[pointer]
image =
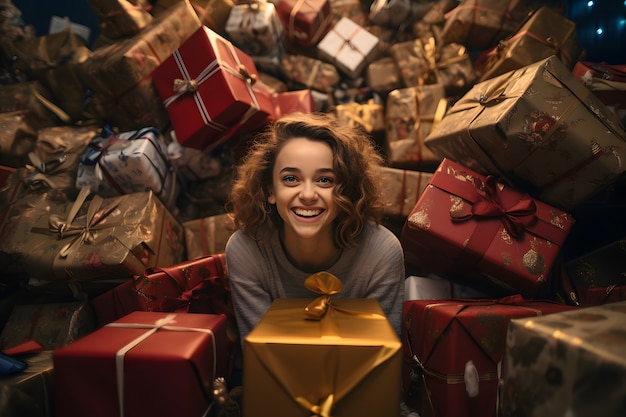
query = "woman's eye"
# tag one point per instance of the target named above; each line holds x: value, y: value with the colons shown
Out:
x: 290, y: 179
x: 327, y: 181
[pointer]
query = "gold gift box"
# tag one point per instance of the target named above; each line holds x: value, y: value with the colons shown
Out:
x: 539, y: 128
x: 208, y: 235
x: 348, y: 363
x: 88, y: 246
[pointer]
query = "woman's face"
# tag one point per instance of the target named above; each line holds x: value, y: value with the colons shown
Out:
x: 302, y: 186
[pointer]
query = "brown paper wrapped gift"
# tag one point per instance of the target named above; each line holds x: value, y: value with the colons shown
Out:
x: 540, y: 128
x: 410, y: 115
x: 416, y: 59
x: 52, y: 325
x: 481, y: 24
x: 212, y: 13
x: 572, y: 360
x: 402, y: 190
x: 383, y: 75
x: 88, y: 246
x: 122, y: 18
x: 310, y: 72
x: 347, y: 363
x: 208, y: 235
x: 29, y: 393
x: 118, y: 68
x: 54, y: 61
x: 543, y: 34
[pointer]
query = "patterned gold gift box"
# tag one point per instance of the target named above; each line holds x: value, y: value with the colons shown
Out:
x: 208, y: 235
x: 566, y: 362
x: 89, y: 245
x: 122, y: 18
x: 539, y: 128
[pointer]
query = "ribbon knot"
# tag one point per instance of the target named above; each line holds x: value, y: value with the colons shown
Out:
x: 515, y: 218
x: 323, y: 283
x: 243, y: 71
x: 185, y: 86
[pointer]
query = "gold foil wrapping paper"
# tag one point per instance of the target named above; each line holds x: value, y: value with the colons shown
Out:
x: 543, y: 34
x: 17, y: 139
x: 85, y: 246
x: 31, y: 392
x: 208, y: 235
x: 402, y: 189
x: 410, y: 114
x: 346, y: 364
x: 481, y: 24
x: 538, y: 127
x: 122, y: 18
x: 368, y: 116
x: 310, y: 72
x: 572, y: 360
x: 117, y: 69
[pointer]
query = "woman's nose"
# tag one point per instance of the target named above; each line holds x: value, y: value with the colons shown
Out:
x: 308, y: 192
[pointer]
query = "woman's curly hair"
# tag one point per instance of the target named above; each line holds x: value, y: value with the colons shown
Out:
x: 356, y: 163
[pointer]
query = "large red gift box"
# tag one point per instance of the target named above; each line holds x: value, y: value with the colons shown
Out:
x: 471, y: 228
x: 144, y: 364
x: 207, y: 88
x: 453, y: 349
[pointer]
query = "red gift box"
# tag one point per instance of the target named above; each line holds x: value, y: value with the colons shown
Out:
x: 295, y: 101
x: 472, y: 229
x: 144, y: 364
x: 305, y: 21
x: 194, y: 286
x: 453, y: 349
x: 207, y: 88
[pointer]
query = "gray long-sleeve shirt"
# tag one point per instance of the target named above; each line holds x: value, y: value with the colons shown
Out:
x: 260, y: 272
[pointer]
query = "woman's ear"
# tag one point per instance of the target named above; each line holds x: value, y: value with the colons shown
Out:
x: 271, y: 199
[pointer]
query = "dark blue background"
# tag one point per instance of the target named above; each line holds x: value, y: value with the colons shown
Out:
x: 610, y: 15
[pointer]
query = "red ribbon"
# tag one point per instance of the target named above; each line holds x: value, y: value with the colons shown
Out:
x: 514, y: 218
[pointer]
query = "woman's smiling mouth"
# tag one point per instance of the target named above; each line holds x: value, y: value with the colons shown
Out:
x: 307, y: 213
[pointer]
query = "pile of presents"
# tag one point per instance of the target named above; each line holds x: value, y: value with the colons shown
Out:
x: 504, y: 179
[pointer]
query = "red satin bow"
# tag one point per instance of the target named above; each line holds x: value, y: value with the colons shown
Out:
x: 514, y: 218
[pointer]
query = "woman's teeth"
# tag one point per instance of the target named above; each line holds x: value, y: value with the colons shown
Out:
x: 307, y: 213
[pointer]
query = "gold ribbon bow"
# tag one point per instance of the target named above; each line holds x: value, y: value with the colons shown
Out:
x: 321, y: 410
x: 323, y: 283
x: 83, y: 233
x: 185, y: 86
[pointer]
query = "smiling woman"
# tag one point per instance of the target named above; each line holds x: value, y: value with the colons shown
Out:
x: 307, y: 199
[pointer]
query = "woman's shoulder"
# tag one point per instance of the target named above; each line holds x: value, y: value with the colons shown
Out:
x: 378, y: 235
x: 241, y: 241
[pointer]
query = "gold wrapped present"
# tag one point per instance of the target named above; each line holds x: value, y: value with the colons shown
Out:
x: 543, y: 34
x: 32, y: 99
x: 383, y: 75
x: 122, y: 18
x: 455, y: 69
x: 208, y: 235
x: 54, y: 61
x: 212, y: 13
x: 87, y: 246
x: 540, y: 128
x: 481, y: 24
x: 565, y: 361
x: 52, y: 325
x: 17, y: 139
x: 416, y: 60
x: 402, y: 190
x: 410, y: 115
x: 369, y: 116
x: 117, y: 69
x: 322, y: 357
x: 30, y: 392
x: 310, y: 72
x: 53, y: 163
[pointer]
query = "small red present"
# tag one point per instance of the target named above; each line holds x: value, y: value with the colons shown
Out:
x: 144, y: 364
x: 305, y: 21
x: 453, y: 349
x: 473, y: 229
x: 295, y: 101
x: 207, y: 88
